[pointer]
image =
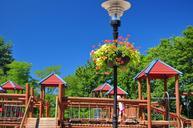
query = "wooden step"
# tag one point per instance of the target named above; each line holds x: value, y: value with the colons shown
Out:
x: 48, y: 123
x: 31, y: 123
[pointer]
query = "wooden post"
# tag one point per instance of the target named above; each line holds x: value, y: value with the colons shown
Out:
x: 44, y: 93
x: 140, y: 98
x: 165, y: 106
x: 60, y: 95
x: 41, y: 93
x: 148, y: 102
x: 42, y: 97
x: 27, y: 93
x: 139, y: 89
x: 40, y: 109
x: 143, y: 114
x: 63, y: 95
x: 47, y: 109
x: 177, y: 98
x: 31, y: 105
x: 56, y: 111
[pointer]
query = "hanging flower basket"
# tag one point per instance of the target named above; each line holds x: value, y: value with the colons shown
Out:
x: 120, y: 60
x: 109, y: 55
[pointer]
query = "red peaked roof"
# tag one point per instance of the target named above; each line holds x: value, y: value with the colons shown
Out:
x: 158, y: 70
x: 105, y: 87
x: 52, y: 80
x: 119, y: 91
x: 9, y: 85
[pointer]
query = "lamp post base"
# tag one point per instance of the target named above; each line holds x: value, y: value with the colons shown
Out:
x: 115, y: 122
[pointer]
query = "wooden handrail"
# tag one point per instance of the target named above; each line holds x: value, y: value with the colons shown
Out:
x: 14, y: 96
x: 25, y: 114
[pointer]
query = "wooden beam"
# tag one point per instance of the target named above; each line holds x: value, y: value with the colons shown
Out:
x: 149, y: 102
x: 56, y: 109
x: 31, y: 104
x: 139, y: 89
x: 166, y: 105
x: 47, y: 109
x: 41, y: 109
x: 140, y: 98
x: 27, y: 93
x: 11, y: 102
x: 186, y: 94
x: 101, y: 100
x: 159, y: 123
x: 12, y: 96
x: 60, y: 96
x: 177, y: 98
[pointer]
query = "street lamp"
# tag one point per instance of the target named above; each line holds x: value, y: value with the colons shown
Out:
x: 115, y: 9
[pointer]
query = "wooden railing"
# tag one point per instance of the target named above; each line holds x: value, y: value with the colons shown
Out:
x: 99, y: 110
x: 26, y: 112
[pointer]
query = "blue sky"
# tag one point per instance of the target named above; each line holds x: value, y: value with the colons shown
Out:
x: 62, y: 32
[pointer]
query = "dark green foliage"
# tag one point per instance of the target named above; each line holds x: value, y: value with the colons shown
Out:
x: 19, y: 72
x: 89, y: 78
x: 5, y: 55
x: 73, y: 86
x: 48, y: 70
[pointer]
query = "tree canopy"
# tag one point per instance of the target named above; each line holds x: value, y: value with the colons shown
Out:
x: 5, y: 55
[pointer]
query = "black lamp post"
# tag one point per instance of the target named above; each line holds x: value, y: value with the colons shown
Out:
x: 115, y: 9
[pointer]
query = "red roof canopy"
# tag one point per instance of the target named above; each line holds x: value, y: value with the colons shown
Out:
x: 158, y: 70
x: 105, y: 87
x: 52, y: 80
x: 9, y: 85
x: 119, y: 91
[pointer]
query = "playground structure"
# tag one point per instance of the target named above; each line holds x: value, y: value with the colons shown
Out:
x: 17, y: 110
x: 106, y: 90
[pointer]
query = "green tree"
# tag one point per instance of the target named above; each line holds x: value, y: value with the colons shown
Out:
x: 88, y: 78
x: 73, y: 85
x: 177, y: 52
x: 5, y: 55
x: 48, y: 70
x: 19, y: 72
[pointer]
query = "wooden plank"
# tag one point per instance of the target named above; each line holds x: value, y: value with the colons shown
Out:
x: 192, y: 123
x: 11, y: 96
x: 11, y: 102
x: 102, y: 100
x: 159, y: 123
x: 149, y: 102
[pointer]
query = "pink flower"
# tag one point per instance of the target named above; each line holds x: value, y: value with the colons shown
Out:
x: 92, y: 52
x: 128, y: 35
x: 121, y: 43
